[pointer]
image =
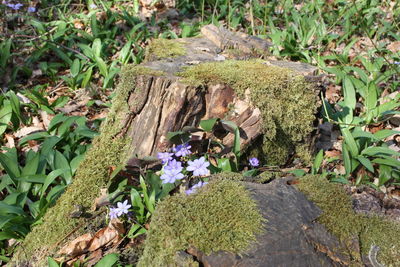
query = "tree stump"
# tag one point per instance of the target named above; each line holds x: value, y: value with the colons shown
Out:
x: 217, y: 75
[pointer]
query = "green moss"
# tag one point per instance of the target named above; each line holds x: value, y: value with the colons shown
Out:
x: 164, y: 48
x: 107, y: 151
x: 286, y: 101
x: 209, y: 220
x: 340, y: 219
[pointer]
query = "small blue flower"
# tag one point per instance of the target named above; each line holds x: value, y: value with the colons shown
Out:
x: 198, y: 166
x: 93, y: 6
x: 182, y: 150
x: 171, y: 175
x: 195, y: 187
x: 113, y: 213
x: 174, y: 165
x: 254, y: 162
x: 122, y: 208
x: 16, y: 6
x: 165, y: 156
x: 31, y: 9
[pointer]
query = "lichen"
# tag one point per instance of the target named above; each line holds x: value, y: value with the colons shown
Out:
x: 164, y: 48
x: 340, y: 219
x: 107, y: 151
x: 208, y: 220
x: 285, y: 99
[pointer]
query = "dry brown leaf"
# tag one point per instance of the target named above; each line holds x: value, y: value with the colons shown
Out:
x: 333, y: 93
x: 333, y: 153
x: 78, y: 24
x: 78, y: 246
x: 24, y: 131
x: 46, y: 118
x: 94, y: 257
x: 10, y: 141
x: 394, y: 47
x: 110, y: 234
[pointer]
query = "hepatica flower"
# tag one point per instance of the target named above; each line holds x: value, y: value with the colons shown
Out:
x: 165, y: 156
x: 113, y: 213
x: 254, y: 162
x: 31, y: 9
x: 172, y: 172
x: 198, y: 166
x: 122, y: 208
x: 16, y: 6
x: 195, y: 187
x: 182, y: 150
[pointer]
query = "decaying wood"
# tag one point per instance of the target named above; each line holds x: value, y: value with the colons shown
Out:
x: 166, y: 104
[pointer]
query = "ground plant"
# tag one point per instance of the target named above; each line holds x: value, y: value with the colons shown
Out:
x: 61, y: 59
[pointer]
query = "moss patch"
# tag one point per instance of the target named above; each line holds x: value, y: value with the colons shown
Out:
x: 93, y: 173
x: 340, y: 219
x: 209, y: 220
x: 285, y: 98
x: 164, y: 48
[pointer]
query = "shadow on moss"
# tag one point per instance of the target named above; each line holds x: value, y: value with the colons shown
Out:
x: 340, y: 219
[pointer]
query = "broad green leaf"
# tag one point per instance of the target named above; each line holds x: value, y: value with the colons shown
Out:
x: 346, y: 159
x: 60, y: 162
x: 349, y: 93
x: 349, y: 139
x: 208, y: 125
x: 31, y: 166
x: 387, y: 161
x: 48, y: 145
x: 376, y: 151
x: 87, y: 76
x: 298, y: 172
x: 136, y: 230
x: 108, y: 261
x: 371, y: 98
x: 96, y: 47
x: 10, y: 165
x: 51, y: 262
x: 382, y: 134
x: 34, y: 136
x: 102, y: 66
x: 137, y: 202
x: 75, y: 68
x: 317, y: 162
x: 75, y: 162
x: 50, y: 178
x: 10, y: 209
x: 366, y: 162
x: 57, y: 119
x: 5, y: 116
x: 224, y: 164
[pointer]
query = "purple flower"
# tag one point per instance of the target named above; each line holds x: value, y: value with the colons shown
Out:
x: 195, y: 187
x: 122, y: 208
x: 171, y: 175
x: 15, y: 6
x: 93, y: 6
x: 165, y: 156
x: 198, y: 166
x: 182, y: 150
x: 31, y: 9
x: 254, y: 162
x: 174, y: 165
x: 113, y: 213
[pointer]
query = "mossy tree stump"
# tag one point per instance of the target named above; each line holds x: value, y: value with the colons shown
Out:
x: 218, y: 75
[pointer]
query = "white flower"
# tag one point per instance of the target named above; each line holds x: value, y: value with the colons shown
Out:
x: 122, y: 208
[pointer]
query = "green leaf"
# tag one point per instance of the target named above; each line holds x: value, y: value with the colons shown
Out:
x: 387, y: 161
x: 224, y: 164
x: 31, y: 166
x: 10, y: 165
x: 75, y: 162
x: 88, y: 75
x: 10, y: 209
x: 102, y: 66
x: 75, y: 68
x: 50, y: 178
x: 34, y: 136
x: 57, y: 119
x: 96, y: 47
x: 60, y: 162
x: 371, y: 98
x: 136, y: 230
x: 108, y: 261
x: 317, y: 162
x: 346, y: 159
x: 382, y: 134
x: 349, y: 93
x: 5, y: 116
x: 349, y: 140
x: 298, y: 172
x: 376, y: 151
x: 137, y: 202
x: 366, y: 162
x: 51, y: 262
